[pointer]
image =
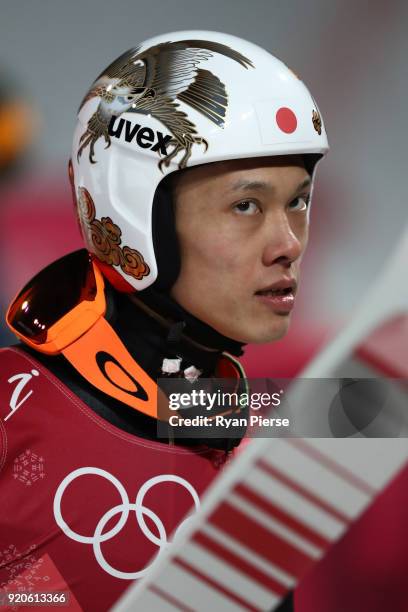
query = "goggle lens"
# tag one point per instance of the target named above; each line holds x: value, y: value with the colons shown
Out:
x: 52, y: 294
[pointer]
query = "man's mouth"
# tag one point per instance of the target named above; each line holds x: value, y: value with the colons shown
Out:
x: 279, y: 296
x: 286, y: 291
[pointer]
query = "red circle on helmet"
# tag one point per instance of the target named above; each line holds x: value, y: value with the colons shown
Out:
x: 286, y: 120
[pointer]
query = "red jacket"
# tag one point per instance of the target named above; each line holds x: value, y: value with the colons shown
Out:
x: 85, y: 507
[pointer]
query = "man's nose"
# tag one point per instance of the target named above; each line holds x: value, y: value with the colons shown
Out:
x: 282, y: 245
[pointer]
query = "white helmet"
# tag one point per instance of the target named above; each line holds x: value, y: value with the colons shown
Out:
x: 177, y: 100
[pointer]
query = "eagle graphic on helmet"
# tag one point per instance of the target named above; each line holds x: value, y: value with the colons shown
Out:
x: 151, y: 82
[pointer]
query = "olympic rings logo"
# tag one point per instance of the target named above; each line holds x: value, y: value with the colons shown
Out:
x: 140, y: 510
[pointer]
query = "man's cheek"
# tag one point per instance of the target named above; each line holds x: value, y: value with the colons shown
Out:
x: 225, y: 254
x: 214, y: 254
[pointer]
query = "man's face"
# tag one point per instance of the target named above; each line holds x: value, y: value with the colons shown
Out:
x: 242, y: 228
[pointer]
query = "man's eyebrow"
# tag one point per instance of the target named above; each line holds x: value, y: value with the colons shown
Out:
x: 306, y: 183
x: 244, y: 185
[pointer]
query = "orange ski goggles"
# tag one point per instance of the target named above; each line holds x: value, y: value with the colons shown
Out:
x: 62, y: 310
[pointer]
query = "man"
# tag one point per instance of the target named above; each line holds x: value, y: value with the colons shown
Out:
x: 192, y: 170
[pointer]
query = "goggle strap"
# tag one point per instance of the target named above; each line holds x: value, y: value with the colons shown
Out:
x: 101, y: 358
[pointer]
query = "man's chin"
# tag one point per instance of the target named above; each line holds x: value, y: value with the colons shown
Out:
x: 255, y: 331
x: 269, y: 333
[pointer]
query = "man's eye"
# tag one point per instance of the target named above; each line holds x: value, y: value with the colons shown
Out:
x: 301, y: 203
x: 247, y: 208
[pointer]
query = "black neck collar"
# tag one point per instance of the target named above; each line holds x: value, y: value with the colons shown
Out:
x: 180, y: 322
